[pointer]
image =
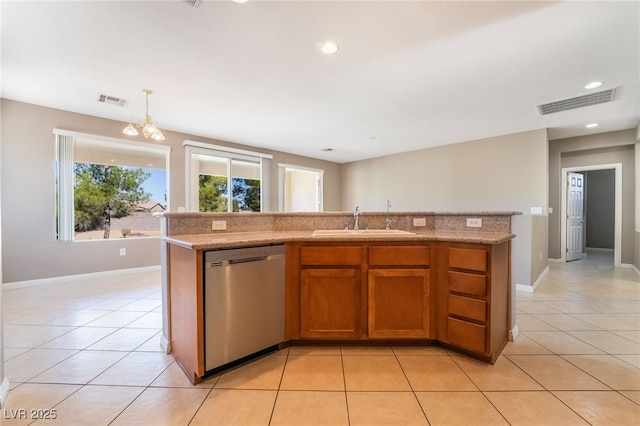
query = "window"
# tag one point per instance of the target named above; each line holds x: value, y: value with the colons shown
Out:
x: 300, y: 189
x: 224, y: 180
x: 107, y: 188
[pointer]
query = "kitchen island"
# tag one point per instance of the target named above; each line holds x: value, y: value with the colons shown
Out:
x: 435, y: 284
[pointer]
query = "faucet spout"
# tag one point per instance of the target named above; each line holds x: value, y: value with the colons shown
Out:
x: 388, y: 221
x: 356, y: 215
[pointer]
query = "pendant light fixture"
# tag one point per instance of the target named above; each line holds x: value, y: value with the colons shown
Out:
x: 149, y: 128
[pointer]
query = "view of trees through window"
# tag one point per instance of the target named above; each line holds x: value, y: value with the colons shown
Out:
x: 214, y: 194
x: 103, y: 193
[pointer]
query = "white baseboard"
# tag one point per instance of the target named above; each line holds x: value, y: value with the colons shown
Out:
x: 532, y: 288
x: 514, y: 333
x: 552, y: 260
x: 524, y: 288
x: 165, y: 344
x: 4, y: 392
x: 636, y: 270
x: 67, y: 278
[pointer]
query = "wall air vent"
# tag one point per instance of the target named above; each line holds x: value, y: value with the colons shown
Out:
x: 577, y: 102
x: 112, y: 100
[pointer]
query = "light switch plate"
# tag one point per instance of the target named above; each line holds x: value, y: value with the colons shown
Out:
x: 474, y: 222
x: 536, y: 210
x: 219, y: 225
x: 419, y: 221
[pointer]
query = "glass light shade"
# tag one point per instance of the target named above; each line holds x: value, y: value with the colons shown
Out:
x: 149, y: 127
x: 157, y: 135
x: 130, y: 130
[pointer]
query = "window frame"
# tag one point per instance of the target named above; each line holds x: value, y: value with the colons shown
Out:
x: 282, y: 170
x: 199, y: 148
x: 64, y: 177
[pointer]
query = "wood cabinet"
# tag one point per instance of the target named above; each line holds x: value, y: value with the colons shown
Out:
x: 358, y: 291
x: 331, y: 303
x: 331, y: 292
x: 186, y: 310
x: 473, y: 297
x: 399, y: 292
x: 399, y: 303
x: 454, y: 293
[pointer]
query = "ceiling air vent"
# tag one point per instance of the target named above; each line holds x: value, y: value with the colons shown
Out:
x: 194, y: 3
x: 112, y: 100
x: 577, y: 102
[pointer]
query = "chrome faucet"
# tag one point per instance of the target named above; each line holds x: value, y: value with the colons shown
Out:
x: 356, y: 215
x: 388, y: 221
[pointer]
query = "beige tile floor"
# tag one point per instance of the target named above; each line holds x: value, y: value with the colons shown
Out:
x: 90, y: 351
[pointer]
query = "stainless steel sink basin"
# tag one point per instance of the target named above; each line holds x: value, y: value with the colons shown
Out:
x: 360, y: 232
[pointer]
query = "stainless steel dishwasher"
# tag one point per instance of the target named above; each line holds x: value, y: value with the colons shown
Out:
x: 243, y: 304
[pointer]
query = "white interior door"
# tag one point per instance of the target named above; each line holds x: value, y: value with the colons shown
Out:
x: 575, y: 215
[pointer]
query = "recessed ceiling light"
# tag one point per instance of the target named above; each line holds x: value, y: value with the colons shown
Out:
x: 593, y: 85
x: 591, y: 125
x: 240, y: 1
x: 329, y: 48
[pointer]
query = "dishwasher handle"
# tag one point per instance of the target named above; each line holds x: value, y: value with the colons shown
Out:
x: 244, y: 260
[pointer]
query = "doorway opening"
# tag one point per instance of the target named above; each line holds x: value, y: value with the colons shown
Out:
x: 574, y: 234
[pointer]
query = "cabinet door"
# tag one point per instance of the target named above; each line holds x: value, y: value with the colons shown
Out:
x: 331, y: 303
x: 399, y: 303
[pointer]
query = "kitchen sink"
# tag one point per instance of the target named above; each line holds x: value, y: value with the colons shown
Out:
x: 360, y: 232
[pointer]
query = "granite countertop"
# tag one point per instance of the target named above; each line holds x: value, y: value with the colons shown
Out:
x: 222, y: 240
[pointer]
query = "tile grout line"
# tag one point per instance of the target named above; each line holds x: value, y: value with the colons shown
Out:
x: 344, y: 383
x: 275, y: 400
x: 413, y: 391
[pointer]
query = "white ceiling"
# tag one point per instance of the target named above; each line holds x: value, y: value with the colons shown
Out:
x: 408, y: 75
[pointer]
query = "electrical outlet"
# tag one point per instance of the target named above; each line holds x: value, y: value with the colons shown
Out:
x: 218, y: 225
x: 474, y: 222
x: 123, y: 252
x: 419, y: 221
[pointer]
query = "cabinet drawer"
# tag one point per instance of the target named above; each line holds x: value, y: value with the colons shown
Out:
x: 466, y: 335
x: 331, y: 255
x: 466, y: 307
x: 467, y: 258
x: 472, y: 284
x: 399, y: 255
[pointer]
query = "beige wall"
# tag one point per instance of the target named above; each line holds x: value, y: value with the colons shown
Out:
x: 603, y: 148
x: 28, y: 195
x: 636, y: 260
x: 502, y: 173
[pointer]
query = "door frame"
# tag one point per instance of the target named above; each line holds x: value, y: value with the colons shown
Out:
x: 617, y: 243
